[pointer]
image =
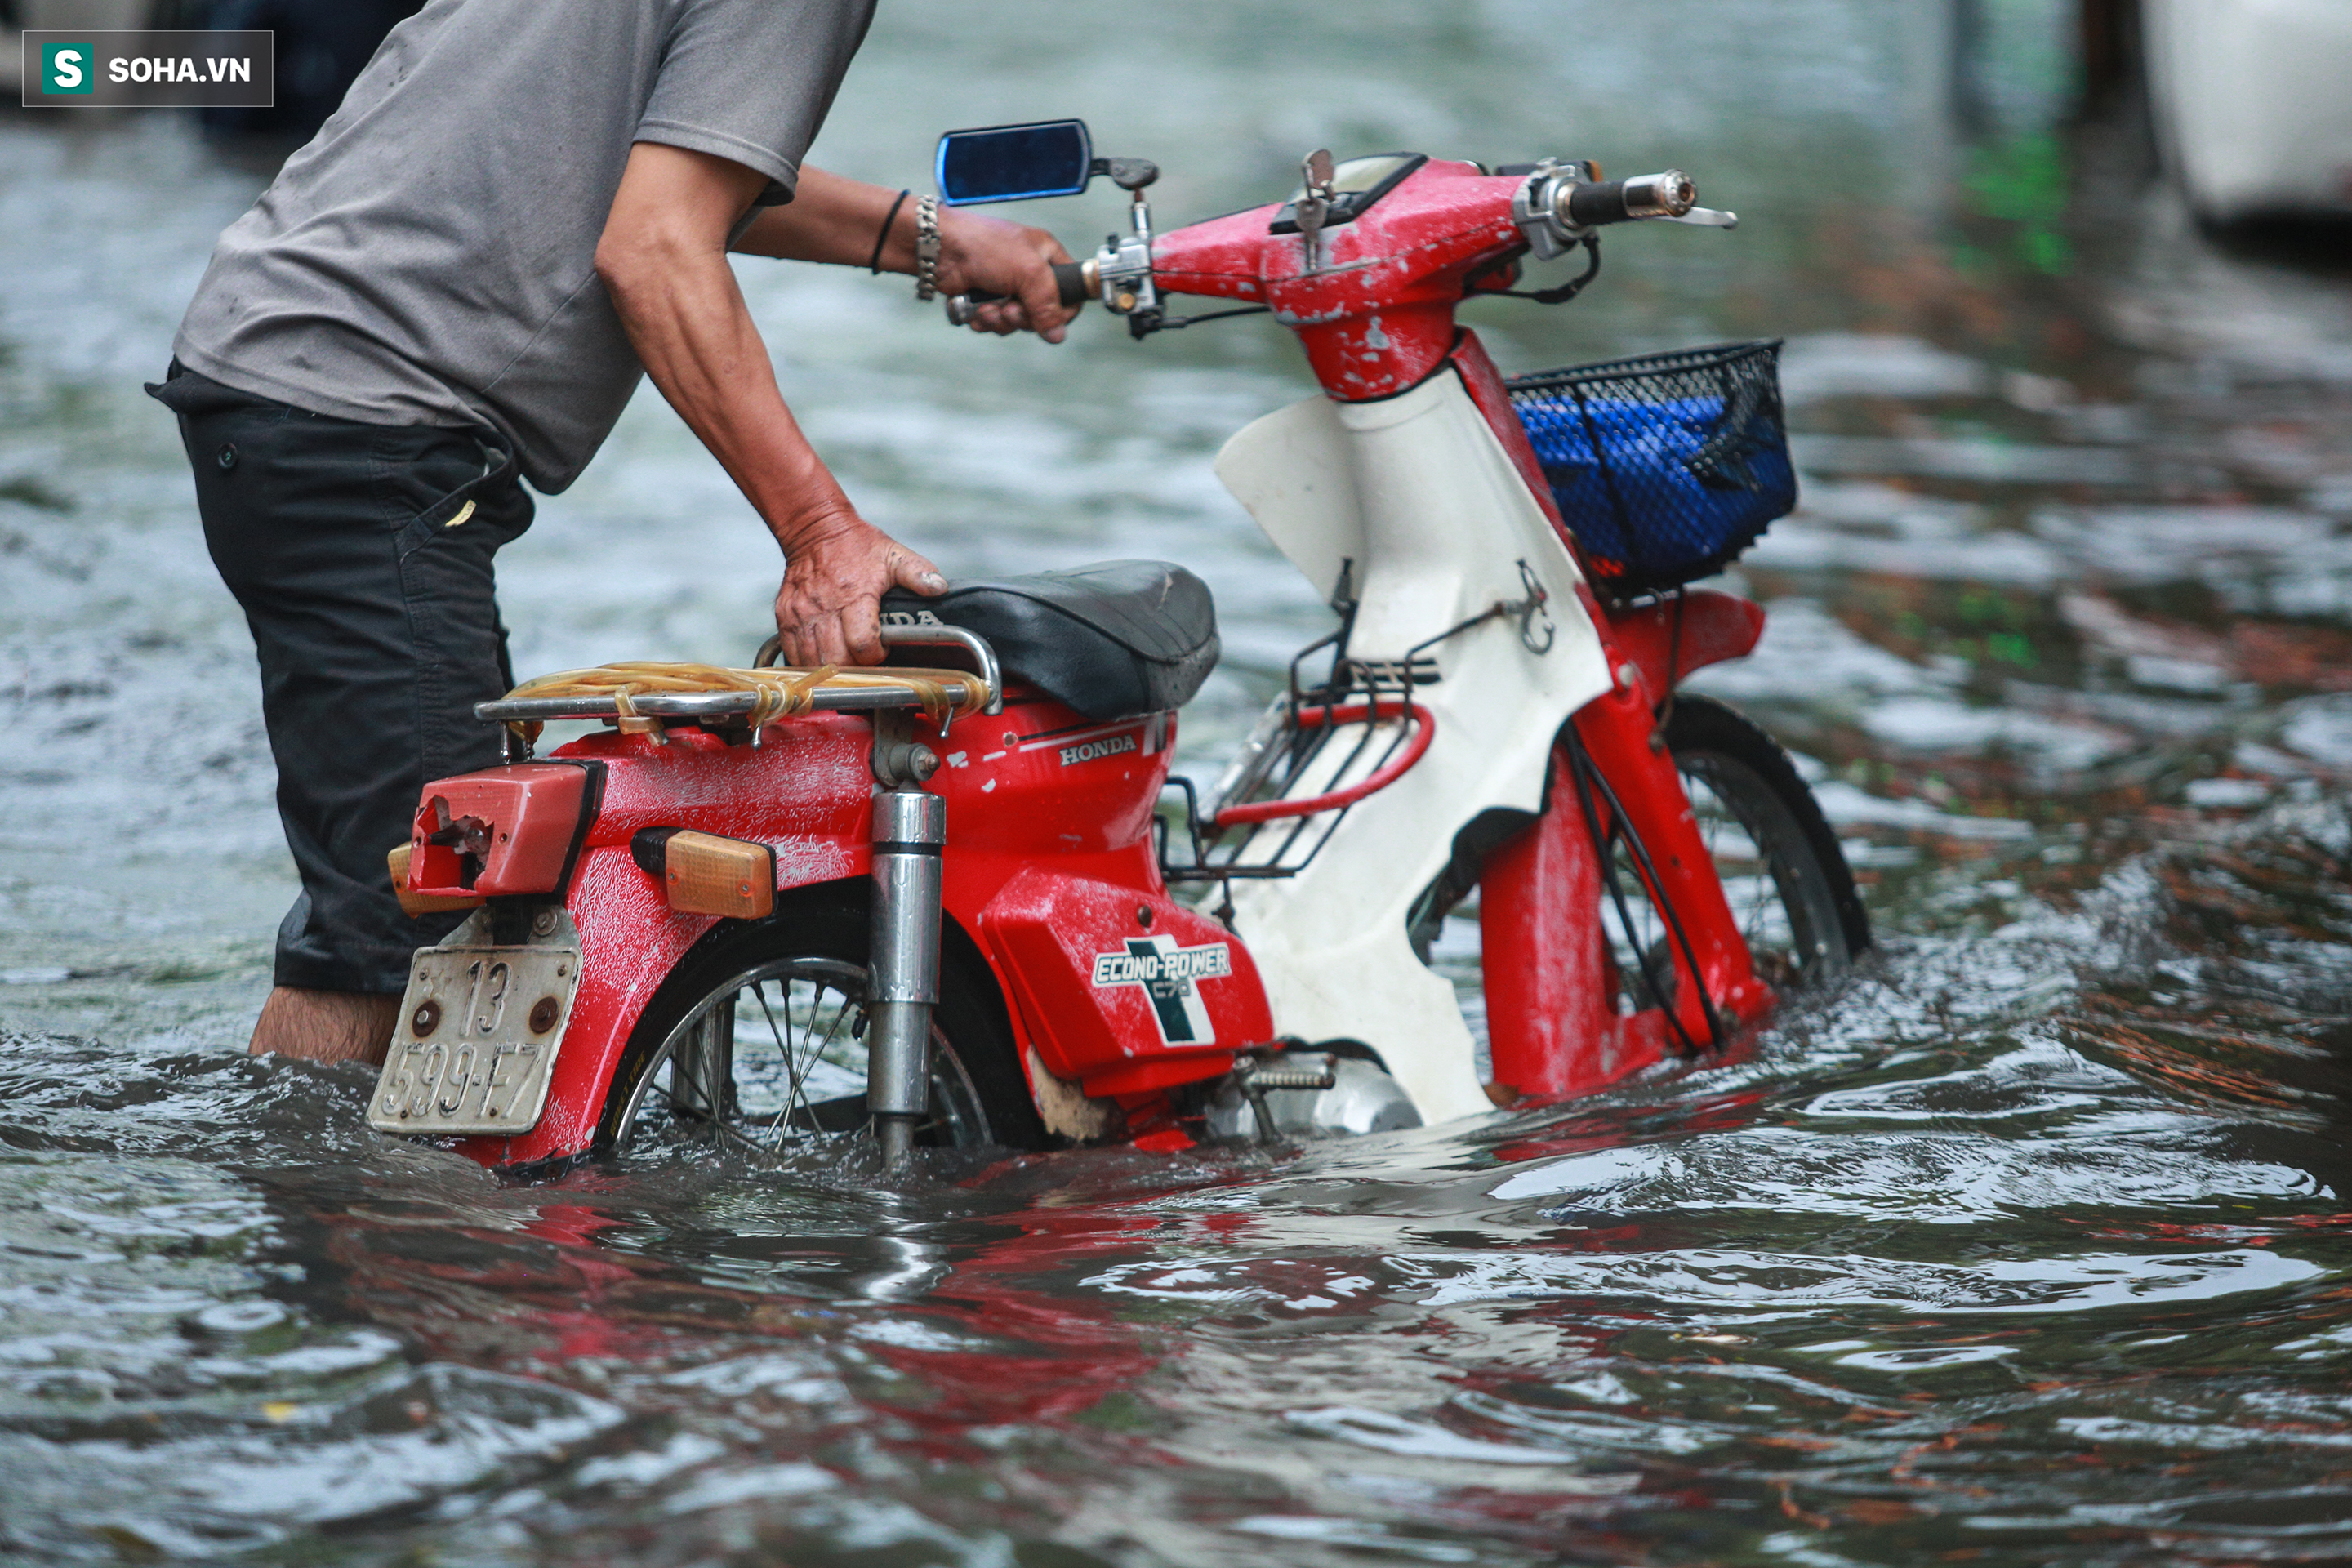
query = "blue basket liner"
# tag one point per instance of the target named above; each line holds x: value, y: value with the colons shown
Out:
x: 1660, y: 490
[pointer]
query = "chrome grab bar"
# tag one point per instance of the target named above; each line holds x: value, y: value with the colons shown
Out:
x: 971, y: 643
x: 955, y: 636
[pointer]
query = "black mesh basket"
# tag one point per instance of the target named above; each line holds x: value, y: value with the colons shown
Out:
x: 1665, y: 466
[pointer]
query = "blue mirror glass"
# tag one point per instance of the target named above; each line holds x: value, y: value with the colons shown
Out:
x: 1010, y: 162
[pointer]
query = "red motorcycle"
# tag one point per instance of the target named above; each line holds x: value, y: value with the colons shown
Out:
x: 742, y: 914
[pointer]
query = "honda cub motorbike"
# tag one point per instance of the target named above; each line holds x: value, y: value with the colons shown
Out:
x: 957, y: 899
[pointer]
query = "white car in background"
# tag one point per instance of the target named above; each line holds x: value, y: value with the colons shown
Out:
x: 2252, y: 103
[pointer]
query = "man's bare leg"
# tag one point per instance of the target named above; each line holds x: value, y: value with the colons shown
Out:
x: 326, y: 1025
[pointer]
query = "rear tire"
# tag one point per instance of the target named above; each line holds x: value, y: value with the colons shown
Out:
x: 756, y: 1042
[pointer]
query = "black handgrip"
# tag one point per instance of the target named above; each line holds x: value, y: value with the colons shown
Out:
x: 1070, y: 282
x: 1604, y: 201
x: 1667, y: 194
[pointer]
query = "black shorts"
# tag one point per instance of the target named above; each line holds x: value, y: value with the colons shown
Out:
x: 360, y: 554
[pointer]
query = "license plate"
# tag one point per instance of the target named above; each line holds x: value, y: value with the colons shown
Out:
x: 478, y: 1030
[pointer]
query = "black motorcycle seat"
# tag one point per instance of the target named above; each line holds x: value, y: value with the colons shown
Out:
x: 1110, y: 639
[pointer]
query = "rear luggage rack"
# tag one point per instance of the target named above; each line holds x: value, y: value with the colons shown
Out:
x: 1354, y: 735
x: 692, y: 707
x: 714, y: 696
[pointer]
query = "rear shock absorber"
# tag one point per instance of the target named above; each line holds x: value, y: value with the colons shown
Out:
x: 909, y: 835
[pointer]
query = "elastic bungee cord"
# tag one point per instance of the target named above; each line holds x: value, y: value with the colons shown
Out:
x: 782, y: 693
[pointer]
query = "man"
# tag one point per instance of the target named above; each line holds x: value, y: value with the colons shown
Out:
x: 519, y: 207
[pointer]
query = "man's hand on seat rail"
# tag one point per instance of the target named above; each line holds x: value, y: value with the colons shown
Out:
x: 834, y: 575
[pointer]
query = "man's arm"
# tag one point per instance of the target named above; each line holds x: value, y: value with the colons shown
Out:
x: 663, y: 260
x: 835, y: 219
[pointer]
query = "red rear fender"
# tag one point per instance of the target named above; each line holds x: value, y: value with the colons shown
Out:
x: 630, y: 940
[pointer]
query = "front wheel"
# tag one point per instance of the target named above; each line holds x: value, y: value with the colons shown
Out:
x: 1783, y: 874
x: 758, y: 1043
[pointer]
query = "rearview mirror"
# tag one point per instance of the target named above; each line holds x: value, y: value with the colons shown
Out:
x: 1013, y: 163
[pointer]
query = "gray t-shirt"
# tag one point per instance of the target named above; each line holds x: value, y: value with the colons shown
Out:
x: 429, y: 259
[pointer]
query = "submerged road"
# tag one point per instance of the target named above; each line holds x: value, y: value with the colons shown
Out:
x: 2030, y: 1246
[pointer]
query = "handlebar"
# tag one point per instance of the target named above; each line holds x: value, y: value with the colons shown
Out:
x: 1557, y: 207
x: 1073, y: 282
x: 1669, y: 194
x: 1562, y: 203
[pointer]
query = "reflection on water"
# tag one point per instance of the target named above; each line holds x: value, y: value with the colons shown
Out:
x: 2029, y: 1246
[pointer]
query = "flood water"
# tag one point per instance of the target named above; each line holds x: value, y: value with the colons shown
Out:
x: 2030, y: 1246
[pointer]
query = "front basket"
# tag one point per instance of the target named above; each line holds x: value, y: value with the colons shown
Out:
x: 1665, y: 466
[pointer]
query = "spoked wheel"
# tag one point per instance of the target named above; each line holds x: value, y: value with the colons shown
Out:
x: 1787, y: 881
x: 757, y: 1044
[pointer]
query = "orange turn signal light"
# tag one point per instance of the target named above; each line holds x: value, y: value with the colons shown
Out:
x: 704, y: 874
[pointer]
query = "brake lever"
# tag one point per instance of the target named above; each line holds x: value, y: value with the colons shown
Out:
x: 1703, y: 218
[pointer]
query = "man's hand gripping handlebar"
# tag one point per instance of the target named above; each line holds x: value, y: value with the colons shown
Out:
x: 1073, y: 284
